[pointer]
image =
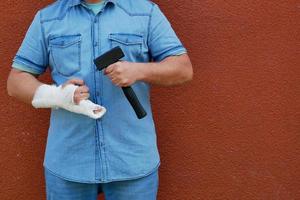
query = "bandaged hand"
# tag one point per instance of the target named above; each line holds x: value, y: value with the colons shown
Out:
x: 51, y: 96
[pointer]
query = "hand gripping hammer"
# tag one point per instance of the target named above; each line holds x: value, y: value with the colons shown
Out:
x: 113, y: 56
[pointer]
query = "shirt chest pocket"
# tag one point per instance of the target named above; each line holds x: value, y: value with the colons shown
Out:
x: 65, y: 54
x: 131, y: 44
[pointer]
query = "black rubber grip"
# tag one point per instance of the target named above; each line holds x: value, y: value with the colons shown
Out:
x: 134, y: 101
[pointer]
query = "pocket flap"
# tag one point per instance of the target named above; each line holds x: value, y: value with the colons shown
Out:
x: 126, y: 38
x: 65, y: 40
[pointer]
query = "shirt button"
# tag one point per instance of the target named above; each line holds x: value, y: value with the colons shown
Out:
x: 97, y: 94
x: 95, y: 44
x: 95, y: 21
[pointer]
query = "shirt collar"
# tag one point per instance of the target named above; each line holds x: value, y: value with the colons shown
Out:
x: 77, y: 2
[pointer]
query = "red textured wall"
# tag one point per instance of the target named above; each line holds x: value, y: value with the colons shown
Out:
x: 232, y: 133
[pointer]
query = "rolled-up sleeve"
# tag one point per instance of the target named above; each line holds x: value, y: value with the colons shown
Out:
x: 32, y: 54
x: 162, y: 40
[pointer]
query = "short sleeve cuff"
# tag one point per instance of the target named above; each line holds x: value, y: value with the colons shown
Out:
x: 25, y: 65
x: 173, y: 52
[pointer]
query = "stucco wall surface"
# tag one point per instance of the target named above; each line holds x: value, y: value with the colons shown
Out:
x: 232, y: 133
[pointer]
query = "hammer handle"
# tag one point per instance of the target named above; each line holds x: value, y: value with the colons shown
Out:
x: 134, y: 101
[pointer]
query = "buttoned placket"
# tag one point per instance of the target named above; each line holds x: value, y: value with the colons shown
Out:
x: 100, y: 156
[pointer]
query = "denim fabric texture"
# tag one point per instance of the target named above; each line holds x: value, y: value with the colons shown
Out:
x: 66, y: 36
x: 144, y: 188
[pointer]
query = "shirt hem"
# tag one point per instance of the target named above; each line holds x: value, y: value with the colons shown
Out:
x: 107, y: 181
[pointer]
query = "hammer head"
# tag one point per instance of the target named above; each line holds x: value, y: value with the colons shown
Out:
x: 108, y: 58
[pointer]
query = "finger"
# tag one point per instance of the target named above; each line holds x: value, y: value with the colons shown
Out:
x: 109, y: 69
x: 97, y: 109
x: 98, y: 112
x: 110, y: 76
x: 73, y: 81
x: 80, y: 96
x: 84, y: 96
x: 76, y: 99
x: 113, y: 78
x: 82, y: 89
x: 76, y: 81
x: 115, y: 81
x: 92, y: 110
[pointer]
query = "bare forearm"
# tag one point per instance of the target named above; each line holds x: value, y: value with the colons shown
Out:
x: 173, y: 70
x: 22, y: 85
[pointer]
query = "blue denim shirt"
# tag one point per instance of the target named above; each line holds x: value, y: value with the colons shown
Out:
x: 67, y: 36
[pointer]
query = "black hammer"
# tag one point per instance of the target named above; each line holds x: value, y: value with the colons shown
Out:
x: 113, y: 56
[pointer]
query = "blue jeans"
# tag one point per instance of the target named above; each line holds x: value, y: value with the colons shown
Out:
x: 139, y: 189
